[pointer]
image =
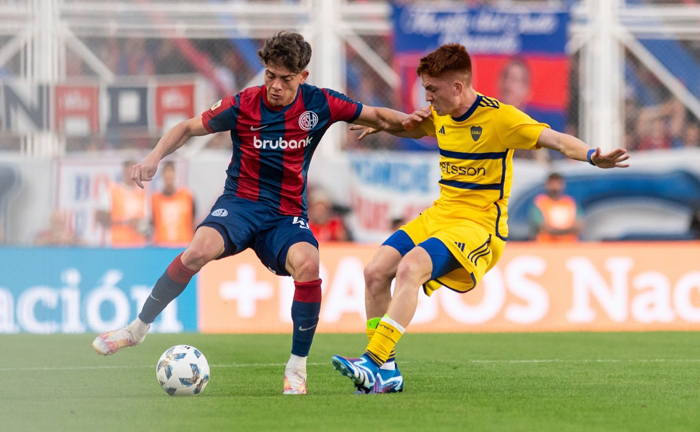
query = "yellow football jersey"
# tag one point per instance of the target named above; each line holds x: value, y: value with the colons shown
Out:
x: 476, y: 160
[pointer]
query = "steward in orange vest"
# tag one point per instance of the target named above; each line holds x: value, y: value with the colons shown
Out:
x: 555, y: 216
x: 125, y: 212
x: 173, y: 212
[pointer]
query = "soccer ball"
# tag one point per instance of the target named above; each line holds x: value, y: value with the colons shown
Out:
x: 182, y: 371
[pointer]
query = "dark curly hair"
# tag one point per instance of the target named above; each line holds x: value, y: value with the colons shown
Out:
x: 448, y: 58
x: 286, y: 49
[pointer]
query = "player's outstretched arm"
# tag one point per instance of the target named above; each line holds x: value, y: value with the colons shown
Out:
x: 574, y: 148
x: 380, y: 118
x: 377, y: 119
x: 173, y: 139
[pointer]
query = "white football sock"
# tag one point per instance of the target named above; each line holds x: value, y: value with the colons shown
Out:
x: 138, y: 328
x: 296, y: 363
x: 388, y: 366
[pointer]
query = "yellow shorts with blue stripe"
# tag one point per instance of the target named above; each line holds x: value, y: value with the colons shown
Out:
x: 471, y: 244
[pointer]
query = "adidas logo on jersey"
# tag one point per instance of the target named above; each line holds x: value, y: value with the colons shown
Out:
x: 488, y: 102
x: 280, y: 143
x: 442, y: 130
x: 460, y: 245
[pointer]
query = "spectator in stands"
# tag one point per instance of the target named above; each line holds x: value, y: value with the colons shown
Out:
x: 691, y: 135
x: 554, y: 216
x: 58, y: 232
x: 169, y: 59
x: 694, y: 228
x: 325, y: 225
x: 659, y: 125
x: 226, y: 72
x: 365, y: 85
x: 396, y: 223
x: 110, y: 54
x: 173, y: 211
x: 136, y: 59
x: 632, y: 109
x: 233, y: 70
x: 124, y: 211
x: 74, y: 64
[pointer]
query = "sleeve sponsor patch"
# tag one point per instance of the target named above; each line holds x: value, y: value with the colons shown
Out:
x: 216, y: 105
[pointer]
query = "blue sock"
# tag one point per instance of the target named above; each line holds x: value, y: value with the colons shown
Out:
x: 170, y: 285
x: 305, y: 311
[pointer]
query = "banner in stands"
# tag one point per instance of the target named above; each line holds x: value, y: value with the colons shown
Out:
x: 75, y: 290
x: 582, y: 287
x: 385, y: 189
x: 518, y: 55
x: 88, y: 108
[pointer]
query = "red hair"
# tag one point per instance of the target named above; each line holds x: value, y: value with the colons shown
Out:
x: 448, y: 58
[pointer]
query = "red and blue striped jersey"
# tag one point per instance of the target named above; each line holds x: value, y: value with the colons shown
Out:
x: 273, y: 146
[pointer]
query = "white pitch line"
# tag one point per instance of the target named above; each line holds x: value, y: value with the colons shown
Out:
x: 67, y: 368
x: 258, y: 365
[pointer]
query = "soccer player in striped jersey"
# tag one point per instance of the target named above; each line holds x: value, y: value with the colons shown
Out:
x: 461, y: 237
x: 275, y: 129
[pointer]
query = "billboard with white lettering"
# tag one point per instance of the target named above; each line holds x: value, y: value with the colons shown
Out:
x: 72, y: 290
x: 535, y: 287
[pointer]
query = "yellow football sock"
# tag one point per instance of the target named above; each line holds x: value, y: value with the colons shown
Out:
x: 372, y: 327
x: 382, y: 344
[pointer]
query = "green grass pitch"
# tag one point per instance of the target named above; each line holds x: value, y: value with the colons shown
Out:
x: 454, y: 382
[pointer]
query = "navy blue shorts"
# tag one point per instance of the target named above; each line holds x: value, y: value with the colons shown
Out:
x: 247, y: 224
x: 443, y: 260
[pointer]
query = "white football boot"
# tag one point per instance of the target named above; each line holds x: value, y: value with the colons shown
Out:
x: 294, y: 382
x: 110, y: 342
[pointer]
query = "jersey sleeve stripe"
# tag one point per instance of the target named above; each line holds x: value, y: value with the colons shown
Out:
x: 473, y: 156
x: 223, y: 116
x: 354, y: 117
x: 205, y: 123
x: 341, y: 107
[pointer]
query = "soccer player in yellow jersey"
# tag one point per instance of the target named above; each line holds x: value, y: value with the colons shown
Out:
x: 462, y: 236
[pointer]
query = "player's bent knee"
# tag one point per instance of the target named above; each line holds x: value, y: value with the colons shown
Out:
x: 306, y: 267
x: 196, y: 256
x: 412, y: 271
x: 376, y: 276
x: 403, y: 272
x: 206, y: 245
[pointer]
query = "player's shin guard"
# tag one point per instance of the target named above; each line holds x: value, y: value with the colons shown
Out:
x: 170, y: 285
x: 305, y: 310
x: 384, y: 341
x: 372, y: 324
